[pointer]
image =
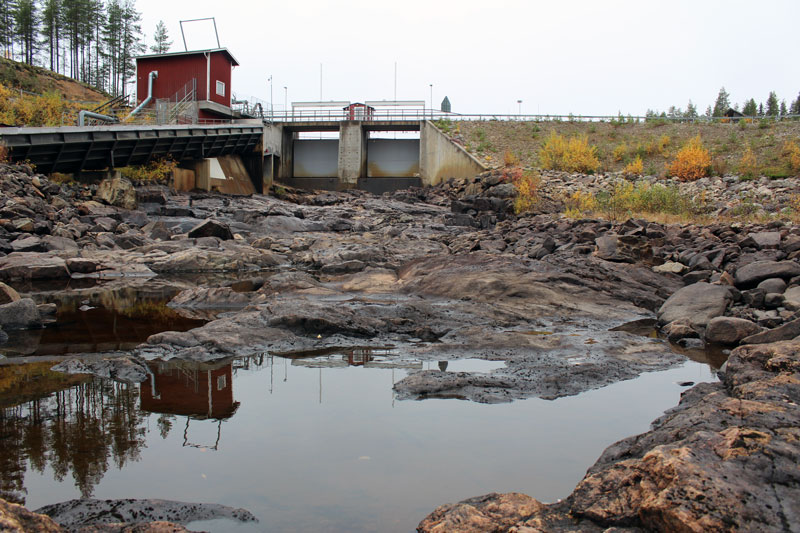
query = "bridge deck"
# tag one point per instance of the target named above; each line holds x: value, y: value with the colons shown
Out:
x: 313, y: 125
x: 72, y: 149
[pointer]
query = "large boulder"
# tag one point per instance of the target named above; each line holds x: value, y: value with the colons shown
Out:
x: 791, y: 298
x: 762, y: 240
x: 55, y: 243
x: 32, y: 266
x: 118, y: 192
x: 17, y: 519
x: 754, y: 273
x: 623, y: 248
x: 8, y: 294
x: 29, y: 243
x: 491, y: 512
x: 211, y: 228
x: 210, y: 297
x: 698, y: 303
x: 788, y: 331
x: 22, y: 314
x: 729, y: 330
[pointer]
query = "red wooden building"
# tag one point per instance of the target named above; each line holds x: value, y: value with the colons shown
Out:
x: 359, y: 111
x: 210, y: 70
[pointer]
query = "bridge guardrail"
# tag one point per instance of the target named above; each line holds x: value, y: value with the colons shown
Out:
x: 427, y: 114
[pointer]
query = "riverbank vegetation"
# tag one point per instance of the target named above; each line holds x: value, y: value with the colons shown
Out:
x: 624, y: 146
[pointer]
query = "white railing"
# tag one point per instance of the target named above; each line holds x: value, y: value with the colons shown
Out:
x: 338, y: 115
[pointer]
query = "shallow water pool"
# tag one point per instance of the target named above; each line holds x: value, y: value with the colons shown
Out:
x: 312, y: 444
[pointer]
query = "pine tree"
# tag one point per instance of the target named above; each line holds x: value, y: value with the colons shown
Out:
x: 761, y: 109
x: 112, y: 36
x: 7, y: 9
x: 691, y: 110
x: 722, y: 104
x: 131, y: 42
x: 772, y: 104
x: 72, y: 16
x: 51, y: 26
x: 750, y: 109
x: 25, y: 29
x: 795, y: 108
x: 784, y: 109
x: 161, y: 38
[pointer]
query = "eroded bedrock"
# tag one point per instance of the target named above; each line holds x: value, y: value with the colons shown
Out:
x: 724, y: 459
x: 115, y: 516
x: 550, y: 331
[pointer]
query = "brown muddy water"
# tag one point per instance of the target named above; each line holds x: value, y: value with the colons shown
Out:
x: 316, y: 443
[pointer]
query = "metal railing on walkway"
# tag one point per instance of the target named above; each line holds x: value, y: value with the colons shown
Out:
x: 337, y: 115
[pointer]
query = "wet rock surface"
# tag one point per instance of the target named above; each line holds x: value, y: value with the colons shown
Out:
x: 92, y: 512
x: 450, y: 272
x: 724, y: 459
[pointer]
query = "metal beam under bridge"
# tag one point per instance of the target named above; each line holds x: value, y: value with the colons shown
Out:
x: 73, y: 149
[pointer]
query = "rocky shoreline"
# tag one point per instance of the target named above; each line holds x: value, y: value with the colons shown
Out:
x: 449, y: 272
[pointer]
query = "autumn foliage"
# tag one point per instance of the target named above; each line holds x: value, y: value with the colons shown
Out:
x: 635, y: 167
x: 528, y: 183
x: 791, y: 153
x: 22, y: 109
x: 572, y: 155
x: 748, y: 165
x: 692, y: 162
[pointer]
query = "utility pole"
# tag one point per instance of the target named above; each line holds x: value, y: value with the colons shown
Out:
x: 271, y: 109
x: 519, y: 103
x: 431, y: 101
x: 286, y: 101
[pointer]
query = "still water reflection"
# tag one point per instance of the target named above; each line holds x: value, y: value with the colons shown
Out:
x: 100, y: 319
x: 307, y: 444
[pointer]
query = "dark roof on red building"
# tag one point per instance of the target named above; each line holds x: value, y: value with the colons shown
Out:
x: 192, y: 52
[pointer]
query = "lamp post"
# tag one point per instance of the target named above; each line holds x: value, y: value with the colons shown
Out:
x: 271, y: 110
x: 519, y: 103
x: 286, y: 102
x: 431, y: 101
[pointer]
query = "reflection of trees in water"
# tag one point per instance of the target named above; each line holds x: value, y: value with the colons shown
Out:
x: 75, y: 430
x: 165, y: 424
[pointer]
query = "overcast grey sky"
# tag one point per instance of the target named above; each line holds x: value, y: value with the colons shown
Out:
x: 559, y: 56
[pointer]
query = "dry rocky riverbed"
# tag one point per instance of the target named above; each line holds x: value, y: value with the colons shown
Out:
x: 447, y: 273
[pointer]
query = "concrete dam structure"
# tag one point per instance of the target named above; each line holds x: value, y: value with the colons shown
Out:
x: 358, y: 160
x: 270, y: 152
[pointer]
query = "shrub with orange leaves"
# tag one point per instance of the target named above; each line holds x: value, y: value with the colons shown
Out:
x: 635, y: 167
x: 692, y: 162
x: 527, y: 184
x: 620, y: 152
x: 510, y: 159
x: 791, y: 153
x: 573, y: 154
x: 748, y: 165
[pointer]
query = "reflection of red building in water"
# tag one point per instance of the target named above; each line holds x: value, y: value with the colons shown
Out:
x: 198, y: 390
x: 359, y: 356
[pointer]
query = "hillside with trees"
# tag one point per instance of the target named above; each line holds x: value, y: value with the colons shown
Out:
x: 92, y: 41
x: 749, y: 108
